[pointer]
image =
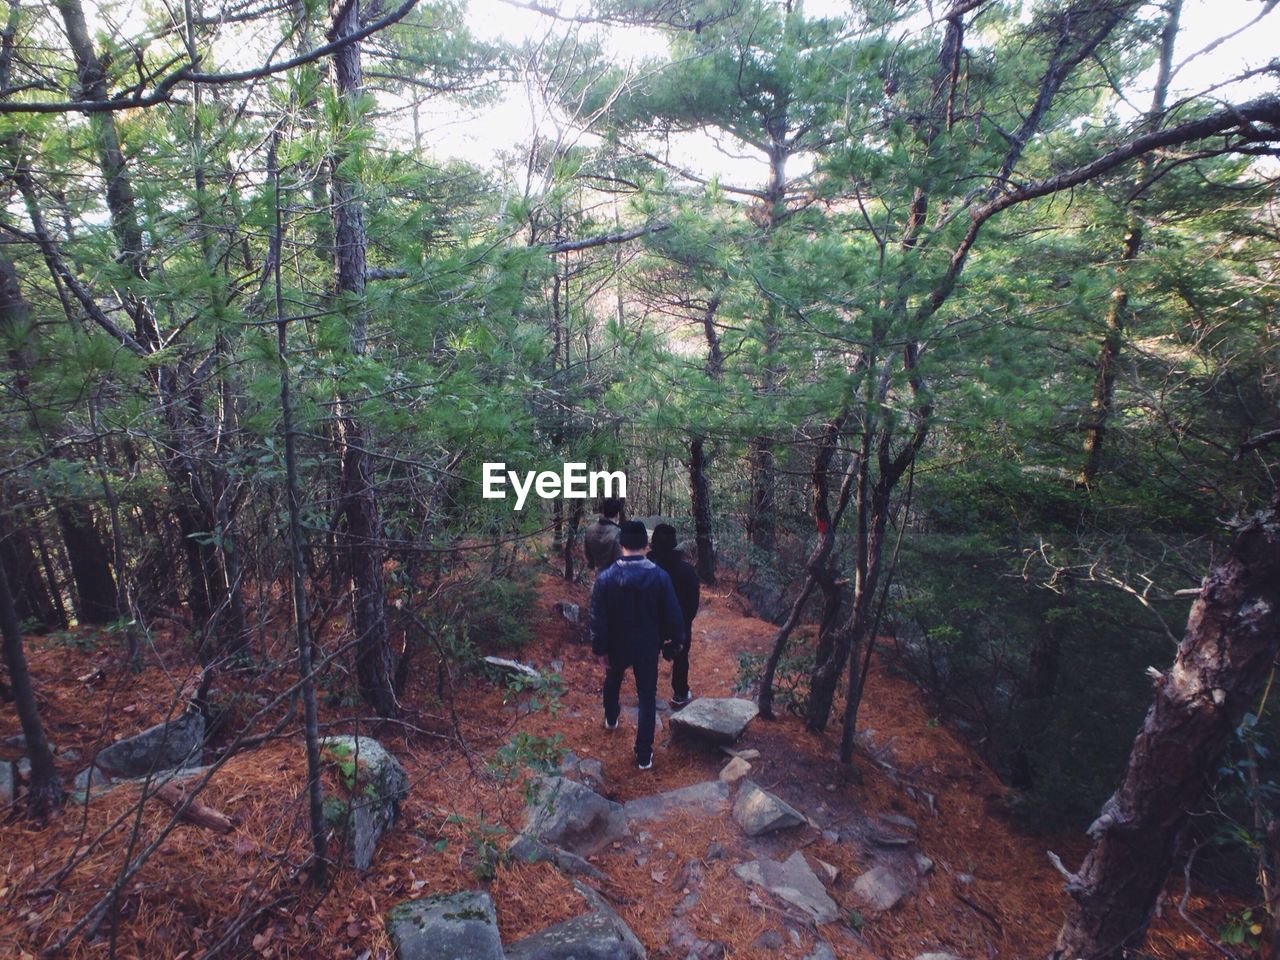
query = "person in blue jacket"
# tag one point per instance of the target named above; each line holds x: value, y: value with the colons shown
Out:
x: 633, y: 608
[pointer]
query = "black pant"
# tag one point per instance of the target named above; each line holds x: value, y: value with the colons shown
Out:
x: 680, y: 674
x: 646, y: 674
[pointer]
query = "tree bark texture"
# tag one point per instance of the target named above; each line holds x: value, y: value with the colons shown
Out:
x: 375, y: 665
x: 1230, y: 644
x: 44, y: 791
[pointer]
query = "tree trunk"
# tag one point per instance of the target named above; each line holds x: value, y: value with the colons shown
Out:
x: 1231, y: 641
x: 375, y: 666
x: 571, y: 537
x: 817, y: 567
x: 700, y: 498
x: 700, y: 460
x: 30, y: 598
x: 833, y: 646
x: 44, y: 791
x: 95, y: 586
x: 1102, y: 401
x: 297, y: 555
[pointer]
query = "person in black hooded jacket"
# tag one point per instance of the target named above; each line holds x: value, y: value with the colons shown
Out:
x: 633, y: 609
x: 662, y: 551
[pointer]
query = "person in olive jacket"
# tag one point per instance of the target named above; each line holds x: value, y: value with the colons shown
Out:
x: 600, y: 543
x: 633, y: 609
x: 684, y: 578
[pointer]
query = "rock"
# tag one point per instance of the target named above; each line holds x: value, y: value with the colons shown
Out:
x: 735, y: 770
x: 689, y: 548
x: 23, y: 769
x: 685, y: 944
x: 937, y: 956
x: 758, y: 811
x: 456, y: 926
x: 707, y: 950
x: 792, y: 881
x: 768, y: 600
x: 828, y: 873
x: 924, y: 866
x: 8, y: 788
x: 689, y: 881
x: 889, y: 840
x: 716, y: 851
x: 377, y: 784
x: 749, y: 754
x: 568, y: 815
x: 531, y: 850
x: 769, y: 940
x: 166, y: 746
x: 70, y: 755
x: 906, y: 823
x: 710, y: 798
x: 880, y: 889
x: 585, y: 770
x: 822, y: 951
x: 513, y: 668
x: 720, y: 720
x: 598, y: 935
x: 831, y: 836
x: 570, y: 611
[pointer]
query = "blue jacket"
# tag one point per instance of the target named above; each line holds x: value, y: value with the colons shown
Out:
x: 633, y: 610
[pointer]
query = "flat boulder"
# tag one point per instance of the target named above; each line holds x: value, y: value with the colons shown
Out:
x: 719, y: 720
x: 568, y: 815
x: 455, y: 926
x: 881, y: 889
x: 376, y: 785
x: 513, y: 668
x: 710, y: 798
x: 758, y: 811
x: 599, y: 934
x: 166, y: 746
x: 792, y: 881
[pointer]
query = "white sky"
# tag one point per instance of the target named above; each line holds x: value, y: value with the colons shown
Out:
x: 478, y: 137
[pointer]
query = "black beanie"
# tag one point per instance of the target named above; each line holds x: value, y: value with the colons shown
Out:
x: 634, y: 535
x: 664, y: 538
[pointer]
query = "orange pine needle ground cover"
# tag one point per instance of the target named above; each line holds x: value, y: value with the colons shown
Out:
x: 246, y: 894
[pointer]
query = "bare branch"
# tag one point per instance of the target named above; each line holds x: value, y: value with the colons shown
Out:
x: 187, y: 73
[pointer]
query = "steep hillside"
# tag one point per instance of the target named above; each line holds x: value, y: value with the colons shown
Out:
x: 982, y: 889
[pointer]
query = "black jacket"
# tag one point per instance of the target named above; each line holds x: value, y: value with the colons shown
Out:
x: 685, y: 581
x: 633, y: 610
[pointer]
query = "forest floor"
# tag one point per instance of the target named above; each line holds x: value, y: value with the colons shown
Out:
x: 991, y: 892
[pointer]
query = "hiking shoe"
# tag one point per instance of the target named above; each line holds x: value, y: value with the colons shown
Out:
x: 679, y: 703
x: 646, y: 764
x: 611, y: 726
